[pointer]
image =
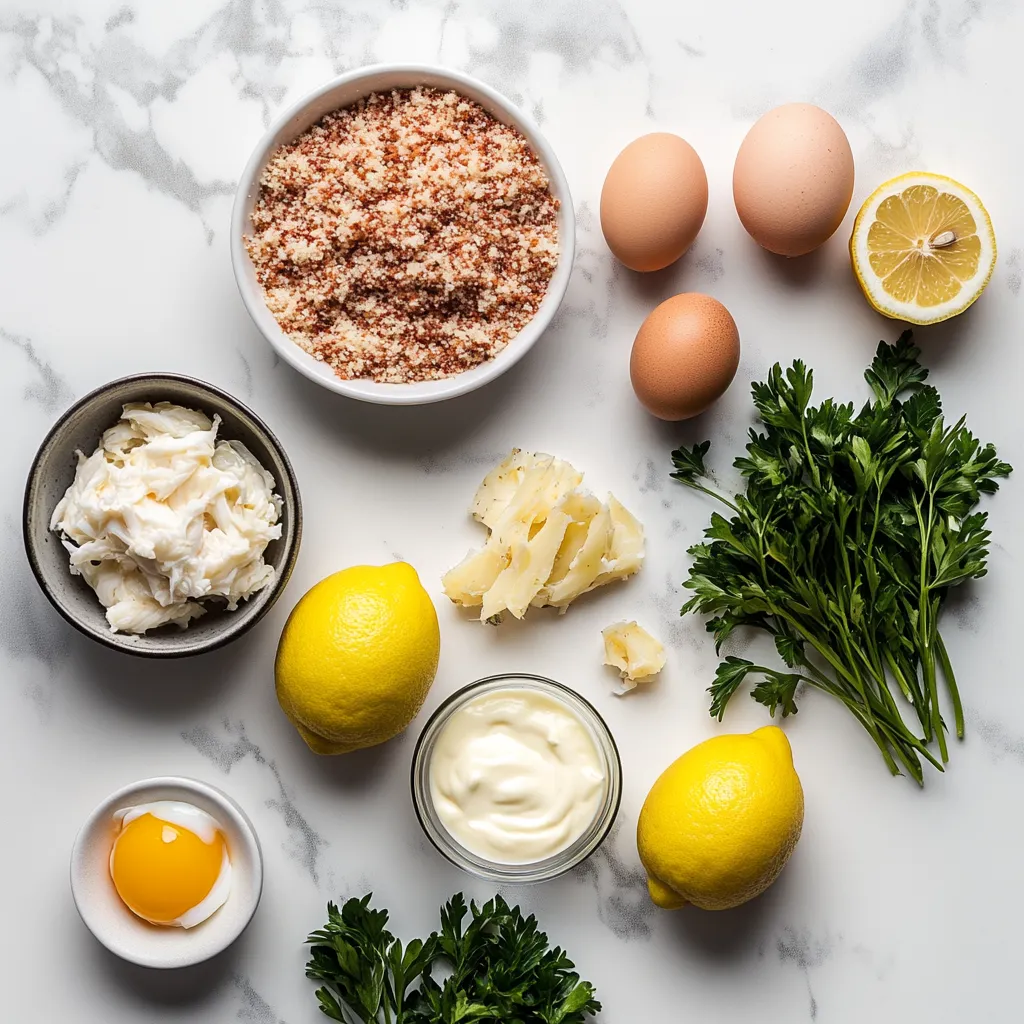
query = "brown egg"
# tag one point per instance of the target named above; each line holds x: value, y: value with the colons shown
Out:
x: 653, y: 201
x: 684, y: 357
x: 793, y: 179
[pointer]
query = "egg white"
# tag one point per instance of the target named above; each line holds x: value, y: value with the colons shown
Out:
x: 192, y: 819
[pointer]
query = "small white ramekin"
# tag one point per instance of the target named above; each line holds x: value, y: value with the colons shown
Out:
x: 342, y: 92
x: 116, y: 926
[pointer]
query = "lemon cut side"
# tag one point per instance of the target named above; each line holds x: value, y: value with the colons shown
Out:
x: 923, y: 248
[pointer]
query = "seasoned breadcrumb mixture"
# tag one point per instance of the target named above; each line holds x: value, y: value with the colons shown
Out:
x: 409, y: 237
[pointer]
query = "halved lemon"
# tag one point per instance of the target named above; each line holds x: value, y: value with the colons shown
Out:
x: 922, y: 248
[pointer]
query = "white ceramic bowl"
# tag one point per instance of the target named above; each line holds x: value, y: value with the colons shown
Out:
x: 342, y: 92
x: 132, y: 938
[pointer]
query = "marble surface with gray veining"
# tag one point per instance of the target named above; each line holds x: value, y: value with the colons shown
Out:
x: 124, y: 129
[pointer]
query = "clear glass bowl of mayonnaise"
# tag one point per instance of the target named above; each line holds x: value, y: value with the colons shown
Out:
x: 516, y: 778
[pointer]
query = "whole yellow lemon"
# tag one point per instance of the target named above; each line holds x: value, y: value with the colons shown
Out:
x: 720, y: 823
x: 357, y: 657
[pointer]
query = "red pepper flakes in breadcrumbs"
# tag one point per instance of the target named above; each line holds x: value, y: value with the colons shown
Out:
x: 408, y: 237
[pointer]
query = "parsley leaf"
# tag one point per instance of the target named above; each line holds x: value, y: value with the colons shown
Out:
x: 499, y: 969
x: 895, y: 369
x: 851, y: 530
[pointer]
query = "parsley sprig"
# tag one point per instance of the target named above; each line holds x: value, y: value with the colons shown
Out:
x: 500, y: 968
x: 844, y: 545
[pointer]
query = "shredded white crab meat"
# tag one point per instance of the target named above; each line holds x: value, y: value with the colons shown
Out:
x: 163, y: 516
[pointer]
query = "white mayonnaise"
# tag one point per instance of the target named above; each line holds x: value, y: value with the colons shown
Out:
x: 163, y: 515
x: 515, y: 776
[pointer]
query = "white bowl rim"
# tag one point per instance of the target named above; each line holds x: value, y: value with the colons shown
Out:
x: 227, y: 808
x: 421, y: 392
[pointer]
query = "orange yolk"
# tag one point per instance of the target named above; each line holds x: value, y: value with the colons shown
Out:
x: 161, y: 870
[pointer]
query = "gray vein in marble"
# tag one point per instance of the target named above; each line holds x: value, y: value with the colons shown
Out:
x: 257, y: 35
x: 115, y: 61
x: 886, y: 62
x: 711, y: 265
x: 1015, y: 271
x: 623, y: 903
x: 53, y: 210
x: 937, y: 31
x: 676, y: 630
x: 450, y: 460
x: 247, y: 386
x: 945, y: 26
x: 50, y: 391
x: 649, y: 476
x: 999, y: 740
x: 579, y: 33
x: 347, y: 33
x: 125, y: 16
x: 28, y: 629
x: 225, y: 752
x: 449, y: 10
x: 806, y: 952
x: 254, y: 1007
x: 593, y: 263
x: 965, y: 608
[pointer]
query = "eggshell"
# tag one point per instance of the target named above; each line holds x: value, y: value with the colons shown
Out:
x: 793, y: 179
x: 685, y: 356
x: 653, y: 201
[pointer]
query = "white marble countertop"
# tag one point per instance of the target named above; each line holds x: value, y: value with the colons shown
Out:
x: 125, y: 126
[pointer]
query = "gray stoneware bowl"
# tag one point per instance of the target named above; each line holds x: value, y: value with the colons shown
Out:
x: 53, y: 470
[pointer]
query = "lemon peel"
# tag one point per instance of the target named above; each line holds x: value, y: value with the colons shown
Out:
x: 357, y: 657
x: 720, y: 822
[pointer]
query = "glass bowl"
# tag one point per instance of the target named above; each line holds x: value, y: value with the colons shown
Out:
x: 534, y: 871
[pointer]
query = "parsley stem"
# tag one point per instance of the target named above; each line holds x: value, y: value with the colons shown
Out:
x: 885, y: 716
x: 924, y: 628
x: 717, y: 495
x: 954, y: 692
x: 900, y: 677
x: 850, y: 531
x: 807, y: 449
x: 882, y: 744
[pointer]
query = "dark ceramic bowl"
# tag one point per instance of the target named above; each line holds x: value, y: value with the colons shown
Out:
x: 53, y: 470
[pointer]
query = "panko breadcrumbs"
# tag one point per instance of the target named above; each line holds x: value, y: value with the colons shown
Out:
x: 408, y: 237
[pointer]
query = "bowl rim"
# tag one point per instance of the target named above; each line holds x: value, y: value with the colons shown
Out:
x: 218, y: 640
x: 418, y: 392
x: 230, y: 808
x: 547, y: 868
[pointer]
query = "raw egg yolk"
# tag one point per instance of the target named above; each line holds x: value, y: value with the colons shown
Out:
x: 161, y: 870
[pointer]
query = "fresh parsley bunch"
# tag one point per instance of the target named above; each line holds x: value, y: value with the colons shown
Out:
x: 850, y: 533
x: 499, y: 969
